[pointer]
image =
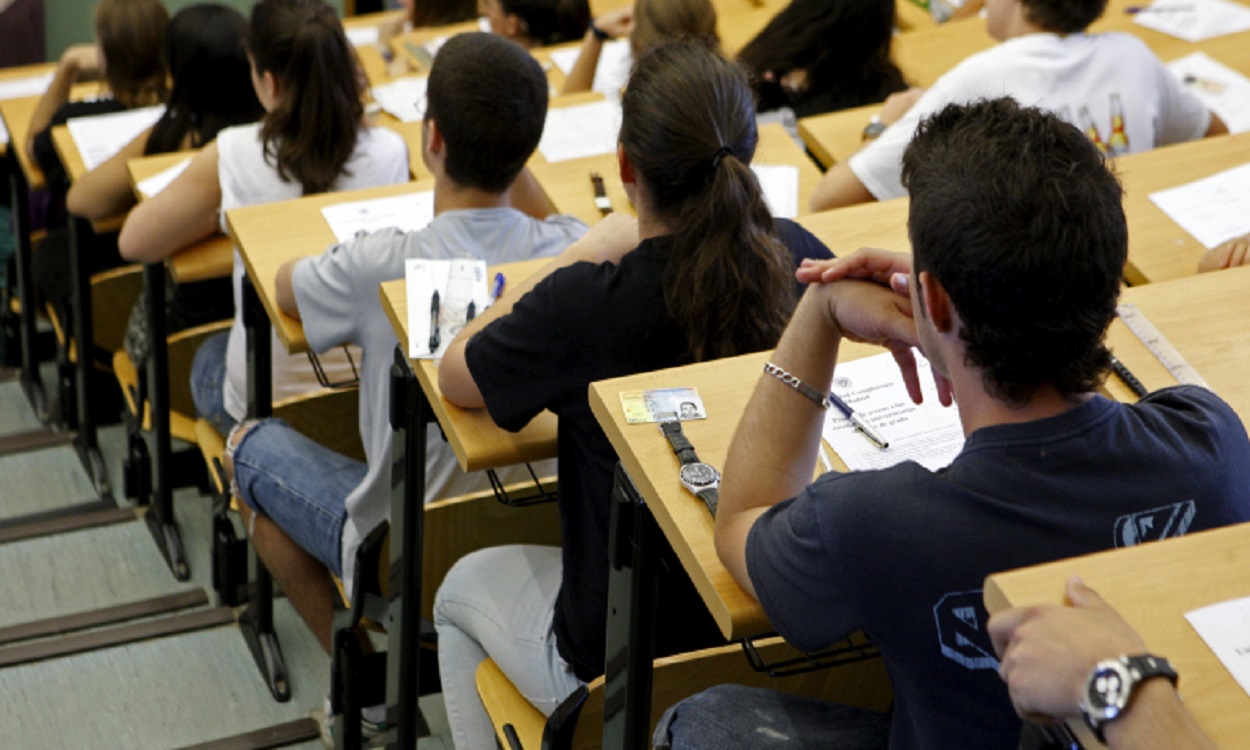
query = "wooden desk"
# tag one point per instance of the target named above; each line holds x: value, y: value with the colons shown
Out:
x: 17, y: 114
x: 1153, y: 586
x: 833, y: 137
x: 844, y: 230
x: 14, y: 74
x: 75, y: 168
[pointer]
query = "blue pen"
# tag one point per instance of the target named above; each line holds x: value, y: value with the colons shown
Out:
x: 857, y: 420
x: 498, y: 287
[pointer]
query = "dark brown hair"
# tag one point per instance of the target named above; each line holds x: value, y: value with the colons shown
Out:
x: 311, y: 131
x: 131, y: 35
x: 659, y: 21
x: 688, y: 129
x: 442, y: 12
x: 548, y: 22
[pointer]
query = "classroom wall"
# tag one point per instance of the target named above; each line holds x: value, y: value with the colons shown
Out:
x: 68, y: 22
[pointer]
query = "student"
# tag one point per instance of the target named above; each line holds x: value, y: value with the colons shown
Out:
x: 1230, y: 254
x: 426, y: 13
x: 1049, y: 654
x: 646, y: 24
x: 537, y: 23
x: 711, y: 278
x: 1016, y: 272
x: 486, y: 105
x: 1109, y: 85
x: 818, y: 56
x: 211, y: 90
x: 312, y: 139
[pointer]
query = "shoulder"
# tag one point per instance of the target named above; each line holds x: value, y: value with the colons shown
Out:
x: 380, y: 142
x: 801, y: 243
x: 1186, y: 403
x: 233, y: 140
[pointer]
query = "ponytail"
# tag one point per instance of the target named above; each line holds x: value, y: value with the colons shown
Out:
x: 311, y: 131
x: 688, y: 128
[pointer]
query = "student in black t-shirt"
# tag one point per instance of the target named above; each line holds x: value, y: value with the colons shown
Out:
x: 712, y: 277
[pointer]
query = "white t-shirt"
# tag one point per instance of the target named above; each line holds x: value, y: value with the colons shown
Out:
x: 1084, y: 78
x: 338, y: 299
x: 380, y: 158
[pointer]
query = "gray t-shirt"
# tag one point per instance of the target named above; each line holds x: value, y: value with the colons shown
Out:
x: 337, y: 294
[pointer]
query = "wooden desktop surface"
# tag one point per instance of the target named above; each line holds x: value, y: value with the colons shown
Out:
x: 19, y: 72
x: 212, y: 258
x: 17, y: 114
x: 477, y: 442
x: 269, y: 234
x: 1153, y: 586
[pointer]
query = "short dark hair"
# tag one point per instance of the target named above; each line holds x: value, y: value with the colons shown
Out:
x: 1018, y: 216
x: 549, y: 22
x: 1063, y: 16
x: 488, y: 97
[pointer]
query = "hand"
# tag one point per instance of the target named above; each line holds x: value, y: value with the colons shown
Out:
x: 82, y: 59
x: 1235, y: 252
x: 617, y: 24
x: 607, y: 241
x: 871, y: 314
x: 1048, y: 652
x: 866, y: 263
x: 898, y: 104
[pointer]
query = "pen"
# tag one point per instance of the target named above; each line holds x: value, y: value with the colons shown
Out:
x: 498, y: 288
x: 435, y: 339
x: 861, y: 424
x: 1128, y: 377
x: 1135, y: 9
x: 471, y: 312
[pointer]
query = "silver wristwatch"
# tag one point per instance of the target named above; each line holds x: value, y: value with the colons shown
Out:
x: 1111, y: 685
x: 701, y: 479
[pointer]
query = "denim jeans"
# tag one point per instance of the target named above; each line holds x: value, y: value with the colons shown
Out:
x: 208, y: 376
x: 299, y: 484
x: 499, y: 603
x: 733, y: 716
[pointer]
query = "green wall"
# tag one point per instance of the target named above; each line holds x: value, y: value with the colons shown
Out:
x: 69, y: 21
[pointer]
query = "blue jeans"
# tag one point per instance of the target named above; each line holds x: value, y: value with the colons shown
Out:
x: 499, y: 603
x: 299, y: 484
x: 733, y: 716
x: 208, y: 376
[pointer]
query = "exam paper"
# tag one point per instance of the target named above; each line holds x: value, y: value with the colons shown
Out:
x: 584, y: 130
x: 361, y: 36
x: 19, y: 87
x: 929, y: 434
x: 442, y: 291
x: 159, y: 181
x: 1213, y: 209
x: 403, y: 99
x: 612, y: 72
x: 1194, y: 20
x: 99, y: 137
x: 780, y: 183
x: 1225, y: 91
x: 1226, y: 629
x: 407, y: 213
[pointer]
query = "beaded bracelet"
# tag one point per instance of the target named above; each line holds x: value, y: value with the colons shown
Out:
x: 813, y: 395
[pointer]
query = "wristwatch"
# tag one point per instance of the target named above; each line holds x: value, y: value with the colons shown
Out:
x: 874, y: 128
x: 1111, y: 685
x: 703, y: 480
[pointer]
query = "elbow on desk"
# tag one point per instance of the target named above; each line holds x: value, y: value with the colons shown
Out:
x: 135, y: 246
x: 457, y: 384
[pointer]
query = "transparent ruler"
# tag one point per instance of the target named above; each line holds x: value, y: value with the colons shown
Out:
x: 1159, y: 346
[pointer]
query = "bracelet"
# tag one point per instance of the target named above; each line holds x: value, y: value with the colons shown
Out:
x: 808, y: 392
x: 599, y: 33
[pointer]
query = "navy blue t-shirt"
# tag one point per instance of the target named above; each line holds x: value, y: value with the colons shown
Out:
x: 586, y: 323
x: 902, y: 553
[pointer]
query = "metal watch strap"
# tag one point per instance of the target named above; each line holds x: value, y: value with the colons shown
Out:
x: 676, y: 438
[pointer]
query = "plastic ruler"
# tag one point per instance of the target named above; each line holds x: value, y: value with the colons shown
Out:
x: 1159, y: 346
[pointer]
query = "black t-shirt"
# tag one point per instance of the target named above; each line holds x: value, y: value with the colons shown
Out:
x: 902, y: 553
x: 586, y: 323
x: 54, y: 175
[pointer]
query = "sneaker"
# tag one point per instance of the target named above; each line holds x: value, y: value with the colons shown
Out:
x: 373, y: 725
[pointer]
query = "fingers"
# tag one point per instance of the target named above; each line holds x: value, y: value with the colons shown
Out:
x: 906, y: 360
x: 865, y: 263
x: 1002, y: 627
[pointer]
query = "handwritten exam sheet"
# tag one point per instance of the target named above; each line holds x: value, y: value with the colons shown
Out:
x: 18, y: 88
x: 403, y: 99
x: 612, y: 72
x: 407, y: 213
x: 1213, y: 209
x: 1226, y: 629
x: 99, y: 137
x: 929, y: 434
x: 1194, y: 20
x: 441, y: 294
x: 584, y: 130
x: 1225, y: 91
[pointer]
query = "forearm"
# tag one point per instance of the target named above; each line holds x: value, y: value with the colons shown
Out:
x: 1156, y: 720
x: 582, y: 76
x: 284, y: 289
x: 105, y: 191
x: 528, y: 197
x: 839, y: 187
x: 53, y: 99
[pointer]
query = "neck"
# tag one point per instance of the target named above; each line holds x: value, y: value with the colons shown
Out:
x: 449, y: 196
x: 978, y: 408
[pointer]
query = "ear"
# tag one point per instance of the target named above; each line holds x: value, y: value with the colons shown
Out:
x: 434, y: 142
x: 626, y: 167
x: 270, y: 83
x: 937, y: 303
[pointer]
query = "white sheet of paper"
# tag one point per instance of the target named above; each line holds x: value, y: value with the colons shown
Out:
x: 1194, y: 20
x: 361, y: 36
x: 584, y: 130
x: 403, y: 99
x: 457, y: 282
x: 101, y: 136
x: 1213, y: 209
x: 1225, y: 91
x: 929, y: 434
x: 407, y: 213
x: 612, y: 72
x: 780, y: 183
x: 1226, y: 629
x: 19, y: 87
x: 159, y: 181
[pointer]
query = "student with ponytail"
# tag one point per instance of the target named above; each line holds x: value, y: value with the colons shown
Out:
x: 312, y: 139
x: 712, y: 277
x: 537, y: 23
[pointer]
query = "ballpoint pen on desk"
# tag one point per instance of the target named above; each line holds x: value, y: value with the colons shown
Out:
x: 1128, y: 377
x: 1135, y: 9
x: 497, y: 289
x: 435, y: 339
x: 861, y: 424
x: 471, y: 312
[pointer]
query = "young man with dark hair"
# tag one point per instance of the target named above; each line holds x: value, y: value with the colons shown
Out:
x: 307, y: 507
x: 1110, y: 85
x: 1018, y: 238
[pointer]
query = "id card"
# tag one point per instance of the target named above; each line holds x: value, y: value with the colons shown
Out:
x: 647, y: 406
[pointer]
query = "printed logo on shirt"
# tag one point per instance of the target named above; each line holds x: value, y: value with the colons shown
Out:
x: 1151, y: 525
x: 961, y: 618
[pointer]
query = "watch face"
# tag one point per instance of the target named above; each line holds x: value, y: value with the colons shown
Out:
x: 1108, y: 690
x: 699, y: 475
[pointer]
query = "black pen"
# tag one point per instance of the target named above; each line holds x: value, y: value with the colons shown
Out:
x: 1128, y: 377
x: 471, y: 313
x: 861, y: 424
x: 435, y: 339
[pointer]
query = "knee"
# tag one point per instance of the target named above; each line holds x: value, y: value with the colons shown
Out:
x: 233, y: 441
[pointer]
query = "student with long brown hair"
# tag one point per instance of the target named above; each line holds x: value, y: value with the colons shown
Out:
x: 712, y: 277
x: 312, y: 139
x: 537, y: 23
